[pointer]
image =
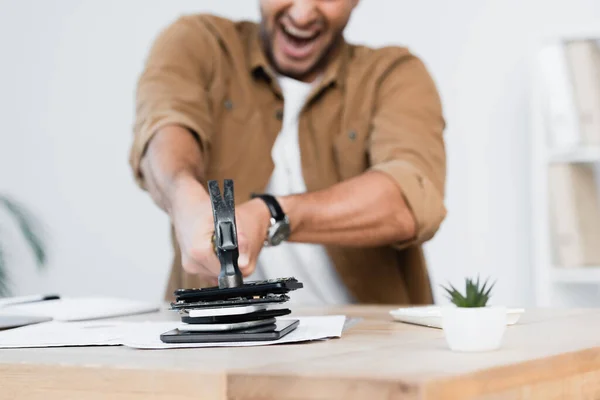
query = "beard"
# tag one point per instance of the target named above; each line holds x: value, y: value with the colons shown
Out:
x: 320, y: 63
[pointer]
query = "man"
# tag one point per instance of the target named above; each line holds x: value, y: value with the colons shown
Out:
x: 344, y: 142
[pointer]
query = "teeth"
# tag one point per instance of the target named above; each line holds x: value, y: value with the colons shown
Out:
x: 298, y: 32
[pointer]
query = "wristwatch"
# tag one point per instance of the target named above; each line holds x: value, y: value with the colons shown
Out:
x: 280, y: 223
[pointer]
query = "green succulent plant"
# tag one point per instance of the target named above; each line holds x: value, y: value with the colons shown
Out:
x: 31, y: 231
x: 475, y: 295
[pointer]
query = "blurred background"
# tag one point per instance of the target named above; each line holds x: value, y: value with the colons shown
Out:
x: 68, y: 71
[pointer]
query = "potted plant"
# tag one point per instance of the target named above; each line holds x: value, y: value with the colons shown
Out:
x: 31, y: 233
x: 469, y: 323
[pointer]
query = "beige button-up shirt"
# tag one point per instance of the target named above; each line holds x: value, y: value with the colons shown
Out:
x: 374, y: 109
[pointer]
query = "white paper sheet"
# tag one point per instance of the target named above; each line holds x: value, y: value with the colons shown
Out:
x: 82, y: 309
x: 58, y: 334
x: 146, y: 335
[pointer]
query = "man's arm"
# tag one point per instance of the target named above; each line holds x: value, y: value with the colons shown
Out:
x: 172, y: 166
x: 399, y: 200
x: 368, y: 210
x: 173, y: 127
x: 173, y: 120
x: 172, y: 171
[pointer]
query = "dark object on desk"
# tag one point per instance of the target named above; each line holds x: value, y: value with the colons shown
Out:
x: 246, y: 290
x: 17, y: 321
x: 231, y: 292
x: 13, y: 301
x: 262, y: 333
x: 233, y: 302
x: 228, y: 319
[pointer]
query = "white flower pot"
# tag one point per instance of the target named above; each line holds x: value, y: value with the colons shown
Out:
x: 474, y: 329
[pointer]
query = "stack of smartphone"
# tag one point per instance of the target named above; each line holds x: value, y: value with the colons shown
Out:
x: 246, y: 313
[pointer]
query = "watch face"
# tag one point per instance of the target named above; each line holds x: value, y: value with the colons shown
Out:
x: 279, y: 232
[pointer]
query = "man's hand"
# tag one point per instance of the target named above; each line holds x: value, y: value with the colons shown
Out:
x: 191, y: 213
x: 252, y: 219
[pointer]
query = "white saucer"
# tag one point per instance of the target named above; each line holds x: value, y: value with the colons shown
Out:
x: 431, y: 316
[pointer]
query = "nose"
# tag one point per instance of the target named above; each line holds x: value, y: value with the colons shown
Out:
x: 303, y: 12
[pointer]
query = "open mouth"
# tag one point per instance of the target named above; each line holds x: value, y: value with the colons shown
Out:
x: 298, y: 43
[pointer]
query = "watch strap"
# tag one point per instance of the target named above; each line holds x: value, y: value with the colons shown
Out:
x: 274, y: 208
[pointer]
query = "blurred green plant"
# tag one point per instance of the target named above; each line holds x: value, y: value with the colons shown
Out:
x: 31, y: 231
x: 475, y: 294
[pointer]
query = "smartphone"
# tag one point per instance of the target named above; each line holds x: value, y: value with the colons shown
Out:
x: 222, y: 311
x: 276, y: 332
x: 239, y: 301
x: 247, y: 290
x: 229, y: 319
x: 225, y: 327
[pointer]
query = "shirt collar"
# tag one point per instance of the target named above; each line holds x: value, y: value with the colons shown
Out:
x: 257, y: 59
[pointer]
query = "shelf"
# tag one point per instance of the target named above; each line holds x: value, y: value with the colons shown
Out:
x: 556, y: 285
x: 577, y: 155
x: 575, y: 274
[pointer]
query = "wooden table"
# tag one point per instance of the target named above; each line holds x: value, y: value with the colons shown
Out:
x: 549, y: 354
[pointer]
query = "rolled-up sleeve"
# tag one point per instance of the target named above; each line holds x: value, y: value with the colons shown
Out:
x: 407, y: 142
x: 172, y: 88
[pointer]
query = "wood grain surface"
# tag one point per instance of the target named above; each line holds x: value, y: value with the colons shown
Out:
x: 549, y: 354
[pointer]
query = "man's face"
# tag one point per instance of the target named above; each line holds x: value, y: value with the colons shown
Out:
x: 298, y: 35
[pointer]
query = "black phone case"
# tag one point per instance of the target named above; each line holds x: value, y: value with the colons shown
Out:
x: 247, y: 290
x: 231, y: 319
x: 280, y: 329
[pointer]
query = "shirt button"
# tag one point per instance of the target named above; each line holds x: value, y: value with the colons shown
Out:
x: 352, y: 135
x: 279, y: 115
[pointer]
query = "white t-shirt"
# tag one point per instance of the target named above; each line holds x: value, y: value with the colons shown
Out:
x: 309, y: 263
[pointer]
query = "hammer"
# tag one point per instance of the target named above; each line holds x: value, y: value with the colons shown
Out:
x: 225, y: 236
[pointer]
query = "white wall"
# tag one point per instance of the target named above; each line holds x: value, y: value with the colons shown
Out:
x: 67, y: 74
